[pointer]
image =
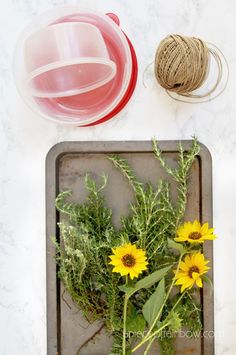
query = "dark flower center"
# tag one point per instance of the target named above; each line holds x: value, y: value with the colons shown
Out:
x: 195, y: 235
x: 128, y: 260
x: 192, y: 270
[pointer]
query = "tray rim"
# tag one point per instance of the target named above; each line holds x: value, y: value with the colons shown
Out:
x: 98, y: 147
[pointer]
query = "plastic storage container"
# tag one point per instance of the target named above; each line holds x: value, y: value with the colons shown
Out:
x: 91, y: 106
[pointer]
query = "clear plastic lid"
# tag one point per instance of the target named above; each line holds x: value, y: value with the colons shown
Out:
x: 67, y: 59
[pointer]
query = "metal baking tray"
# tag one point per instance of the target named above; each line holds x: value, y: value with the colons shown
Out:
x: 66, y: 165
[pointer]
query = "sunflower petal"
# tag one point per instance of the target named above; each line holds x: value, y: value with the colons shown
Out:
x: 132, y: 274
x: 188, y: 284
x: 188, y: 260
x: 197, y: 226
x: 194, y: 241
x: 199, y: 282
x: 210, y: 237
x: 180, y: 239
x: 204, y: 228
x: 181, y: 274
x: 198, y: 259
x: 195, y: 275
x: 182, y: 280
x: 183, y: 266
x: 124, y: 271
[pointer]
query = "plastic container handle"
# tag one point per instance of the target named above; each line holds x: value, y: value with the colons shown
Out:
x: 114, y: 18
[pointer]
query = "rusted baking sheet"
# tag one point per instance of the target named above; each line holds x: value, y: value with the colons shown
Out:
x: 67, y: 163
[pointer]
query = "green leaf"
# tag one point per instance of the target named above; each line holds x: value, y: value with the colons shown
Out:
x: 146, y: 282
x: 154, y: 303
x: 151, y: 279
x: 136, y: 324
x: 174, y: 245
x: 126, y: 289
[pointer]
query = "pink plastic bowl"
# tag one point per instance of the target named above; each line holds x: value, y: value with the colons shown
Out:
x: 88, y: 107
x: 67, y: 59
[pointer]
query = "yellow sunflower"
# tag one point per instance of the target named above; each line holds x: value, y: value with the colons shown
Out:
x: 127, y: 259
x: 191, y: 270
x: 194, y: 232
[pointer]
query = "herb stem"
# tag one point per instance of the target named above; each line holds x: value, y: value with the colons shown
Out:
x: 179, y: 299
x: 149, y: 346
x: 124, y: 321
x: 145, y: 339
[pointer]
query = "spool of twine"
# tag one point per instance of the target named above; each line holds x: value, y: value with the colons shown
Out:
x: 182, y: 64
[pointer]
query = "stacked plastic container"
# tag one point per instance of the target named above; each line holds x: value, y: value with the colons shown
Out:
x: 75, y: 67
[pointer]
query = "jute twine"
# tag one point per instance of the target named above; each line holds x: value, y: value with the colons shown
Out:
x: 182, y: 64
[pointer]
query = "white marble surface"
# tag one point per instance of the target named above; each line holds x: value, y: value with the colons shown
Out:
x: 25, y: 140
